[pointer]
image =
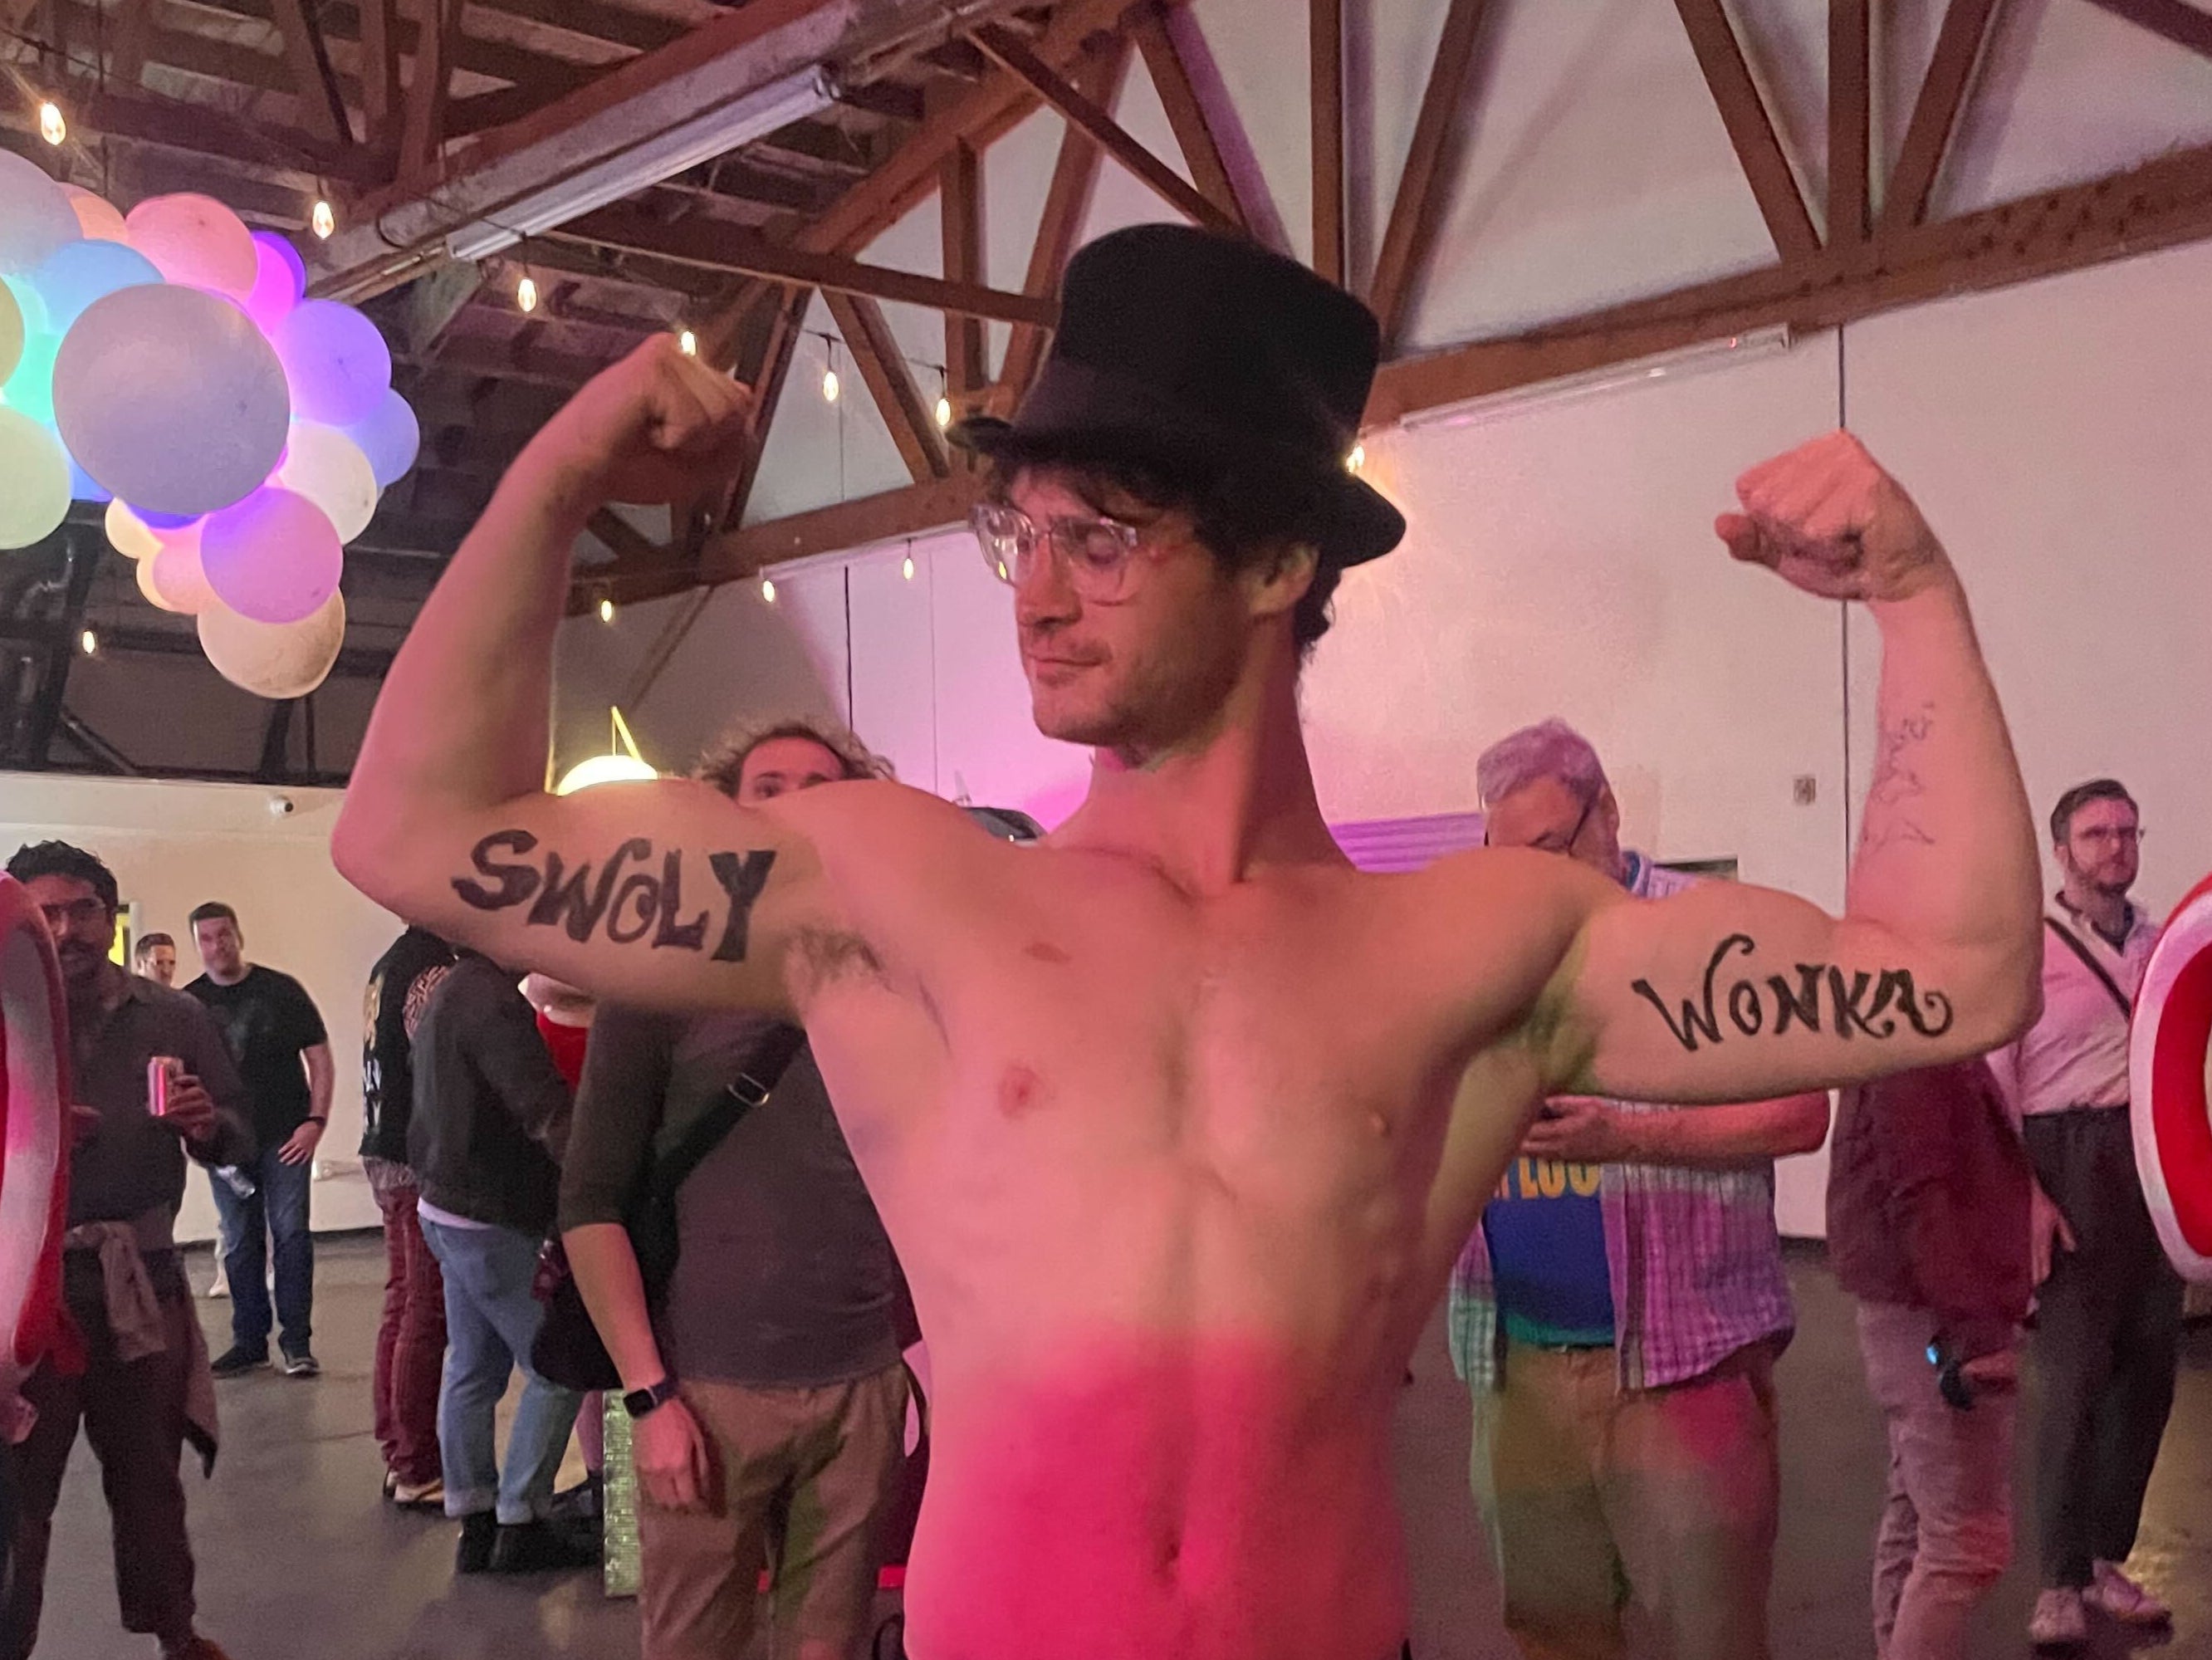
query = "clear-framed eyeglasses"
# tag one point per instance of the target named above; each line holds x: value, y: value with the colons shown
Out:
x: 1096, y: 553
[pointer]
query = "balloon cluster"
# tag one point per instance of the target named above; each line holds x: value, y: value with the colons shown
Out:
x: 168, y: 363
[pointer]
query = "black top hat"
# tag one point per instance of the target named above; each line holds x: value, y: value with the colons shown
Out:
x: 1189, y: 347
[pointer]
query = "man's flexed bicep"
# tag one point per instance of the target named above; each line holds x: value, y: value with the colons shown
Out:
x: 1734, y: 993
x: 664, y: 894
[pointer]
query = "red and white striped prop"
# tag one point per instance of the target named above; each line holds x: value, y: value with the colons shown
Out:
x: 34, y: 1135
x: 2168, y: 1062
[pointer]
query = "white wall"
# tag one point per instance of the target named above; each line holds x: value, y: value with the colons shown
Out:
x: 1561, y: 560
x: 171, y: 846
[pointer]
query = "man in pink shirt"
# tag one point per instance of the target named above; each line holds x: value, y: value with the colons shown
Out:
x: 2111, y: 1309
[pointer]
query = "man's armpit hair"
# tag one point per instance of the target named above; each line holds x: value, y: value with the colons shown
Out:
x: 828, y: 956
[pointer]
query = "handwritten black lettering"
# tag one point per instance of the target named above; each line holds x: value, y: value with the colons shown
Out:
x: 687, y: 936
x: 742, y: 877
x: 1877, y: 1005
x: 516, y: 882
x: 628, y: 904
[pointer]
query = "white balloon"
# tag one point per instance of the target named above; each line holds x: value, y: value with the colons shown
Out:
x: 327, y: 467
x: 129, y: 534
x: 35, y: 216
x: 274, y: 659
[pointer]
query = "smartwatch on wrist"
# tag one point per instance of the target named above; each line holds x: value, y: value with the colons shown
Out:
x: 638, y: 1403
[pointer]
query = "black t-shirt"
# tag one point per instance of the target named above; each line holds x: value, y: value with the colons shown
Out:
x: 267, y: 1019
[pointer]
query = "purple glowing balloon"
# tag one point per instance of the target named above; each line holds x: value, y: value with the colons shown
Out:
x: 390, y: 439
x: 337, y: 365
x: 274, y: 557
x: 279, y: 279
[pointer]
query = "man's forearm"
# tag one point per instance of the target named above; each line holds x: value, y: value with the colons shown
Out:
x: 605, y: 1264
x: 1947, y: 858
x: 1726, y: 1137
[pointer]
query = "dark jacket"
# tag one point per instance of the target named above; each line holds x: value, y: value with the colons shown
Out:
x: 388, y: 1068
x: 1929, y: 1189
x: 491, y: 1111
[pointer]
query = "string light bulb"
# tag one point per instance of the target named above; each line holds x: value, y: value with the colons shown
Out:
x: 51, y: 127
x: 1356, y: 463
x: 906, y: 567
x: 943, y: 413
x: 687, y: 343
x: 829, y: 387
x: 322, y: 220
x: 606, y: 610
x: 768, y: 589
x: 89, y: 642
x: 525, y: 294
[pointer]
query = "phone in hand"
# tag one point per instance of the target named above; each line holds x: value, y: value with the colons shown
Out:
x: 161, y: 1073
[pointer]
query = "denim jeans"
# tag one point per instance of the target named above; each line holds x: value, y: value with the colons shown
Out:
x: 278, y: 1210
x: 490, y: 1319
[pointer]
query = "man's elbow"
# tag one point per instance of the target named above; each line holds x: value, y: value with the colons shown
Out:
x: 369, y: 849
x: 1806, y: 1127
x: 1997, y: 1005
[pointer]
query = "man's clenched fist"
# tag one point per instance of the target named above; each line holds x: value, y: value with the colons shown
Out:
x: 1828, y: 520
x: 649, y: 430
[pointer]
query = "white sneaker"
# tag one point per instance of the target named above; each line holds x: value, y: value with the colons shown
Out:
x: 2112, y: 1594
x: 2059, y: 1621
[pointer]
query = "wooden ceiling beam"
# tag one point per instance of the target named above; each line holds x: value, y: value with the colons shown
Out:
x: 429, y: 82
x: 1325, y: 75
x: 714, y: 247
x: 308, y: 58
x: 1015, y: 54
x: 960, y: 221
x: 1935, y: 113
x: 380, y: 100
x: 1187, y: 115
x: 641, y: 30
x: 1750, y: 128
x: 2184, y: 24
x: 1418, y: 208
x: 891, y: 383
x: 1851, y: 122
x: 224, y: 138
x: 2160, y: 203
x: 628, y: 545
x: 1066, y: 205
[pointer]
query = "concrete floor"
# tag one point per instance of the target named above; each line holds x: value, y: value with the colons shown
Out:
x: 298, y: 1557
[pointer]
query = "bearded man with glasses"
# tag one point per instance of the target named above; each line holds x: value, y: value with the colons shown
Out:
x: 2108, y: 1326
x: 1176, y: 1121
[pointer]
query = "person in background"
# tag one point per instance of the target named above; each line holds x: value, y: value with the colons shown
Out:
x: 410, y: 1334
x: 155, y: 956
x: 2108, y: 1320
x: 142, y: 1390
x: 1930, y: 1196
x: 564, y: 1021
x: 490, y: 1121
x: 283, y: 1053
x: 1618, y: 1313
x: 767, y: 1386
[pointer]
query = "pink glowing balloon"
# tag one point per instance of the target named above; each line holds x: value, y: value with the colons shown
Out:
x: 335, y: 361
x: 279, y: 279
x: 195, y: 240
x: 273, y: 558
x: 174, y: 579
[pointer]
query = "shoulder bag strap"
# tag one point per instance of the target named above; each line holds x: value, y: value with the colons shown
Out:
x: 2090, y: 963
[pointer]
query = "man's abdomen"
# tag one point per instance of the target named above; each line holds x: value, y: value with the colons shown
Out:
x: 1157, y: 1503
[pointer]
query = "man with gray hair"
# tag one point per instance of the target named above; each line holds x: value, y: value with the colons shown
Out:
x: 1618, y: 1311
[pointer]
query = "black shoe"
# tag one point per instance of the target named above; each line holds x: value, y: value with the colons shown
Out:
x: 301, y: 1363
x: 585, y: 1502
x: 237, y: 1360
x: 479, y: 1532
x: 541, y: 1546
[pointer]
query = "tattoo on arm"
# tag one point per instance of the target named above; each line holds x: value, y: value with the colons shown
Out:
x: 628, y: 905
x: 1893, y: 797
x: 1864, y: 1003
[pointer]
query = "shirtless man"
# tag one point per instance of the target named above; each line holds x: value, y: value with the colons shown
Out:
x: 1178, y: 1121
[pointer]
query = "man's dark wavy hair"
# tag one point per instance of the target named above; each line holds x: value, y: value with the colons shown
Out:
x: 36, y: 859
